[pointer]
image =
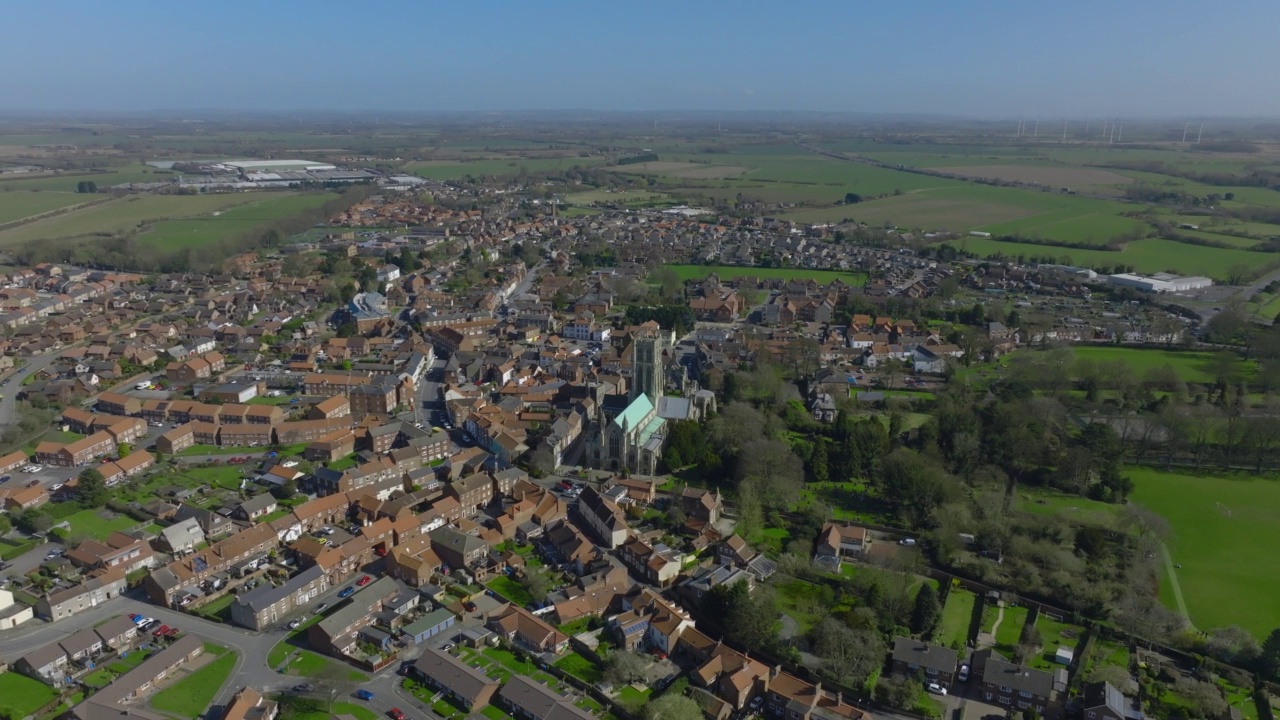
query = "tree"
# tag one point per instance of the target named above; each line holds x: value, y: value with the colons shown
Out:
x: 851, y: 655
x: 1269, y: 658
x: 673, y: 707
x: 1205, y: 698
x: 332, y: 681
x: 1232, y: 645
x: 123, y: 450
x: 535, y: 583
x: 285, y: 490
x: 927, y: 611
x: 776, y: 473
x: 348, y: 329
x: 625, y: 667
x: 91, y: 489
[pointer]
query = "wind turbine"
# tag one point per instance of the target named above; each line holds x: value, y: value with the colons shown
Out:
x: 1199, y: 134
x: 1064, y: 129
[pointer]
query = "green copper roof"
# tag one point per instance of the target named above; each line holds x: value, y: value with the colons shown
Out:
x: 635, y: 412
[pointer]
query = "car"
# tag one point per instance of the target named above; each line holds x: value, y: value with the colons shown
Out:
x: 908, y: 542
x: 301, y: 687
x: 56, y: 486
x: 320, y: 608
x: 346, y: 592
x: 469, y: 606
x: 294, y: 624
x: 52, y: 556
x: 171, y: 632
x: 936, y: 689
x: 364, y: 581
x: 33, y: 483
x: 156, y: 423
x: 354, y: 529
x: 160, y: 631
x: 134, y: 617
x: 6, y: 478
x: 364, y: 694
x: 395, y: 714
x: 964, y: 672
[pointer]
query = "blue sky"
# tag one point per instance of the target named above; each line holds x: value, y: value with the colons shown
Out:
x: 982, y: 58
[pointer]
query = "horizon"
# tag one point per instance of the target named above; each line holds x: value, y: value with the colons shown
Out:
x: 996, y: 61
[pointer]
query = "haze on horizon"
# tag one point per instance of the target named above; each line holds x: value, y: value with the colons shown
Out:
x: 990, y: 58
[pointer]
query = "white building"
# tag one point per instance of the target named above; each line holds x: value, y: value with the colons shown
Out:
x: 1159, y: 282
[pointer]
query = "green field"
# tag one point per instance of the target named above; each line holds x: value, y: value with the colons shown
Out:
x: 220, y: 225
x: 1147, y: 256
x: 1228, y: 562
x: 66, y: 182
x: 454, y: 169
x: 1075, y: 508
x: 21, y: 696
x: 730, y: 272
x: 121, y: 215
x: 1192, y: 367
x: 90, y: 523
x: 510, y: 589
x: 957, y: 616
x: 1053, y: 635
x: 192, y: 695
x: 621, y: 197
x: 18, y: 205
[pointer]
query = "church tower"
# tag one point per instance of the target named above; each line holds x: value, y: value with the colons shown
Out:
x: 646, y: 366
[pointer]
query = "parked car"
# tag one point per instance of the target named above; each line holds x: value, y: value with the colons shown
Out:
x: 364, y: 694
x: 964, y: 672
x: 320, y: 608
x: 6, y: 478
x: 33, y: 483
x: 395, y: 714
x: 301, y: 688
x: 171, y: 632
x: 469, y: 606
x: 364, y: 581
x: 293, y: 624
x: 160, y: 631
x: 346, y: 592
x: 936, y: 689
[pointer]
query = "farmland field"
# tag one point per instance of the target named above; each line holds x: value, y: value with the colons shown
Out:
x: 18, y: 205
x: 729, y: 272
x: 66, y: 182
x: 620, y: 197
x: 121, y: 215
x: 1056, y: 176
x: 1146, y: 256
x: 1192, y: 367
x: 1228, y: 562
x: 220, y: 225
x: 454, y: 169
x: 681, y: 169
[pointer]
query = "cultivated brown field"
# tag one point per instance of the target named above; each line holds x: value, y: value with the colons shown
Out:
x: 1053, y: 176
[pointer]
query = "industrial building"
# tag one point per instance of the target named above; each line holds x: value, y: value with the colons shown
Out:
x: 1159, y: 282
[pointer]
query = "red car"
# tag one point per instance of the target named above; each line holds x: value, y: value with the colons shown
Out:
x: 171, y: 633
x: 160, y: 631
x: 363, y: 581
x: 396, y: 714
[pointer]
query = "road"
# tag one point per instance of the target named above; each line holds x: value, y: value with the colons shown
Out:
x: 9, y: 405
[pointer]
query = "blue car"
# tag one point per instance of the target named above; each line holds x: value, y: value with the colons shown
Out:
x: 364, y: 695
x: 346, y: 592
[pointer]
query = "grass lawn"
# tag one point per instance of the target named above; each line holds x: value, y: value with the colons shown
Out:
x: 219, y: 609
x: 580, y: 667
x: 290, y: 642
x: 1077, y: 509
x: 632, y: 698
x: 577, y: 626
x: 729, y: 272
x: 957, y: 616
x: 122, y: 215
x: 226, y: 476
x: 1010, y: 629
x: 1227, y: 561
x: 191, y: 696
x: 91, y: 523
x: 21, y: 696
x: 10, y: 549
x: 216, y: 450
x: 510, y: 589
x: 1192, y: 367
x: 1053, y: 635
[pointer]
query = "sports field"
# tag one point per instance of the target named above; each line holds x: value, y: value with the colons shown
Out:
x: 17, y: 205
x: 1192, y: 367
x: 1229, y: 561
x: 729, y: 272
x: 121, y: 215
x: 222, y: 224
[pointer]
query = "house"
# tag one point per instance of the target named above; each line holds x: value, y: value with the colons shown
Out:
x: 447, y: 674
x: 732, y: 676
x: 413, y: 562
x: 704, y: 505
x: 248, y: 704
x: 115, y: 699
x: 181, y: 537
x: 930, y: 663
x: 1103, y: 701
x: 457, y: 549
x: 255, y: 507
x: 604, y: 518
x: 97, y: 588
x: 266, y: 605
x: 117, y: 404
x: 338, y: 633
x: 790, y: 698
x: 656, y: 565
x: 838, y: 541
x: 1016, y: 687
x: 522, y: 627
x: 13, y: 614
x: 118, y: 550
x: 473, y: 491
x: 525, y: 699
x: 429, y: 626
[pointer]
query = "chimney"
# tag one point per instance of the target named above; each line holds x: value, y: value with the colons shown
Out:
x: 773, y: 671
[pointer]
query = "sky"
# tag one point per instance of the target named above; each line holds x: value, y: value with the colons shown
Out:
x: 980, y: 58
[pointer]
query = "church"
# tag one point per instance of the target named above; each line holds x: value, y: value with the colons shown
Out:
x: 630, y: 431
